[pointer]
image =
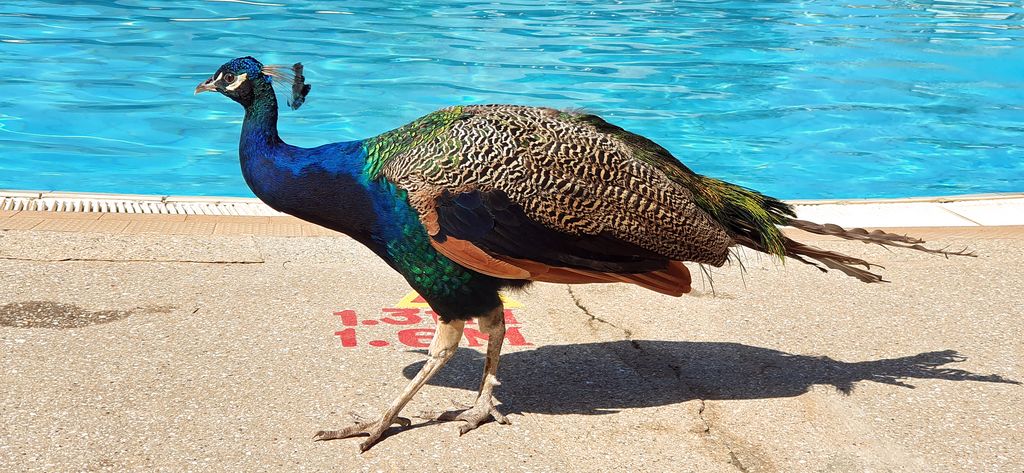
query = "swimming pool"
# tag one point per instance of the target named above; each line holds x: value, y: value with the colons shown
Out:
x: 797, y: 99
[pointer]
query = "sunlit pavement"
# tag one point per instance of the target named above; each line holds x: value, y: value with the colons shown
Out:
x: 140, y: 344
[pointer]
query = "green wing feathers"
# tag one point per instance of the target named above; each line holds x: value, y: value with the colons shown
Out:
x: 381, y: 149
x: 750, y: 217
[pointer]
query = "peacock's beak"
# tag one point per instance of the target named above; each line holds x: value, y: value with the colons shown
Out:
x: 206, y: 86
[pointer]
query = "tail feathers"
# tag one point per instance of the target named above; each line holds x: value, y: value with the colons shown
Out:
x: 844, y: 263
x: 875, y: 236
x: 825, y: 260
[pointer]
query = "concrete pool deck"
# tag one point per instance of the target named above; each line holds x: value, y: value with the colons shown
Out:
x: 179, y: 341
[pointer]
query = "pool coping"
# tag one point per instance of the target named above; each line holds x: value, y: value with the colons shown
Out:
x: 165, y: 214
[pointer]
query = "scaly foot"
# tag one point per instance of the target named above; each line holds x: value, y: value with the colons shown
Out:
x: 473, y: 417
x: 374, y: 429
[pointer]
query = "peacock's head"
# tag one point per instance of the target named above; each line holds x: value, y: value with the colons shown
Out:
x: 239, y: 79
x: 245, y: 79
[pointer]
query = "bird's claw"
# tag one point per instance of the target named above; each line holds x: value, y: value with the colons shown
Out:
x: 473, y: 417
x: 374, y: 429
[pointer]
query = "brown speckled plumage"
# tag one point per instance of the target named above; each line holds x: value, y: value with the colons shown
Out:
x: 566, y: 174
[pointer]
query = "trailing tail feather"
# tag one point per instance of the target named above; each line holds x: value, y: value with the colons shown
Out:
x: 841, y: 262
x: 753, y: 219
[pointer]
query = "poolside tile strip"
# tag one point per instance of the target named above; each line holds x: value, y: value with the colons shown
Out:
x: 81, y: 225
x: 293, y: 227
x: 161, y: 224
x: 52, y: 211
x: 172, y: 228
x: 20, y: 223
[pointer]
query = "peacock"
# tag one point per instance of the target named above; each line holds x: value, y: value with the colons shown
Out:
x: 470, y: 200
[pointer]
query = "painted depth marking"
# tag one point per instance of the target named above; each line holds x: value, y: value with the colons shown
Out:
x: 412, y: 310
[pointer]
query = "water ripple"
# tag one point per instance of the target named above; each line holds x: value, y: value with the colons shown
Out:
x: 235, y: 18
x: 809, y: 99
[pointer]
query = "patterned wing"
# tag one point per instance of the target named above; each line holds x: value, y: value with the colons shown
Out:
x: 534, y: 193
x: 565, y: 173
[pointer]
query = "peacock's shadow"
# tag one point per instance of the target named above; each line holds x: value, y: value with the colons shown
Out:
x: 601, y: 378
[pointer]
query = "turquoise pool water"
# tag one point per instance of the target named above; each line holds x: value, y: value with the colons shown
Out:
x: 808, y: 99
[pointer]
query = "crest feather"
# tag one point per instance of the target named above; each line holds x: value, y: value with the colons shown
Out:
x: 289, y: 76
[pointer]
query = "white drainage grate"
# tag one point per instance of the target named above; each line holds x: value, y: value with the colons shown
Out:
x: 140, y: 204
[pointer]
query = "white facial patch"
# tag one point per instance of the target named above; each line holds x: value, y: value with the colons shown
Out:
x: 238, y: 81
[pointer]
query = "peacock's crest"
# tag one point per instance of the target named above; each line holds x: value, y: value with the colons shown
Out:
x: 289, y: 77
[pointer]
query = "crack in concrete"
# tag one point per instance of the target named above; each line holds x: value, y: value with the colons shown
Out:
x: 700, y: 415
x: 576, y: 300
x: 734, y: 459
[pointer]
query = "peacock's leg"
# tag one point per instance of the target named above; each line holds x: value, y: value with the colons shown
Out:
x: 442, y: 347
x: 493, y: 324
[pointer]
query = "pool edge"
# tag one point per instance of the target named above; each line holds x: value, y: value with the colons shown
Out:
x: 975, y: 210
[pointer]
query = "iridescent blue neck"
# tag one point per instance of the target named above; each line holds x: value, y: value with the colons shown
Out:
x: 259, y: 147
x: 260, y: 125
x: 326, y: 185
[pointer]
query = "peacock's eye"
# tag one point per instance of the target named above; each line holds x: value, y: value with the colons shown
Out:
x: 229, y: 78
